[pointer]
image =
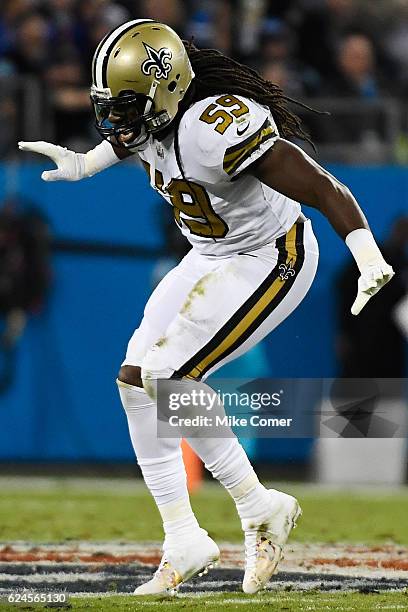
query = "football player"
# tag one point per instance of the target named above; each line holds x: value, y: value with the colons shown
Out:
x: 213, y: 138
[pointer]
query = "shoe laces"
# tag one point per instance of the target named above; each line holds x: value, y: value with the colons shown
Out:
x: 258, y: 547
x: 167, y: 575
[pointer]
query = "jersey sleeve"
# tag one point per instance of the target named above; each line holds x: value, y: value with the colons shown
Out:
x: 214, y: 154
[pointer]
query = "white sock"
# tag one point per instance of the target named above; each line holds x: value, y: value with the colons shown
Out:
x: 252, y: 499
x: 179, y: 524
x: 228, y: 462
x: 224, y: 457
x: 161, y: 463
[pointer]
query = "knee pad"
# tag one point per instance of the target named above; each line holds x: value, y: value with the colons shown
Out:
x: 134, y: 399
x: 155, y: 366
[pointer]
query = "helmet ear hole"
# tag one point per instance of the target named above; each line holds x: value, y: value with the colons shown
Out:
x: 172, y: 86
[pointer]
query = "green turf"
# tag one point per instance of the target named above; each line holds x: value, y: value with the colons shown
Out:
x: 66, y: 512
x: 280, y: 602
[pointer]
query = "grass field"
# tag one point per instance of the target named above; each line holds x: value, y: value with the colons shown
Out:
x: 315, y: 602
x: 299, y: 602
x: 302, y: 602
x: 65, y: 510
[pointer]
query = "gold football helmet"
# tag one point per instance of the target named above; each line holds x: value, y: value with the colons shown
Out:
x: 140, y: 73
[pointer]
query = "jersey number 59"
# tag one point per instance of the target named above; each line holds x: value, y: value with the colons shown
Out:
x: 223, y: 118
x: 191, y: 199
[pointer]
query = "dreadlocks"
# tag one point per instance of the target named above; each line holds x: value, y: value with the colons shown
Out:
x: 216, y: 73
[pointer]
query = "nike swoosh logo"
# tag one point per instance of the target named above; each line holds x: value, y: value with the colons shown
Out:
x: 242, y: 131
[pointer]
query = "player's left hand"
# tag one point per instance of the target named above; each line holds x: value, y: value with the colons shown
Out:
x: 372, y: 278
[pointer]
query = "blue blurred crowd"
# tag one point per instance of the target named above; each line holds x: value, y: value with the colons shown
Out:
x: 342, y: 48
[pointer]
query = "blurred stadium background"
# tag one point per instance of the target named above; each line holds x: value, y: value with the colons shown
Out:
x: 79, y: 260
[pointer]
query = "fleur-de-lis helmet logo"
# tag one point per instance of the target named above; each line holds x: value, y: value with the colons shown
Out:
x: 157, y: 61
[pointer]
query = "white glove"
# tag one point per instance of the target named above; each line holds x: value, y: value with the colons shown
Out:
x: 72, y: 166
x: 374, y: 270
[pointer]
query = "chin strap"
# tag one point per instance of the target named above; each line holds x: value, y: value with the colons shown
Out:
x: 150, y: 96
x: 148, y: 107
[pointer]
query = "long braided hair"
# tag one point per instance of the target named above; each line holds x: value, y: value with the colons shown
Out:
x: 216, y: 73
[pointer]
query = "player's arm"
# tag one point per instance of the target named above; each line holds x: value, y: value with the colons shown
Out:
x: 73, y: 166
x: 286, y: 168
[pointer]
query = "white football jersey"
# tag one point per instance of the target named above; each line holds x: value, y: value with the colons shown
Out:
x: 219, y: 208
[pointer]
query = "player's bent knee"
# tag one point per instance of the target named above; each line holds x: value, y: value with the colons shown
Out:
x: 154, y: 368
x: 155, y: 364
x: 131, y: 375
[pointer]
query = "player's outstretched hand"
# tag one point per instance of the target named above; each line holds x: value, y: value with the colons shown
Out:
x: 372, y: 278
x: 70, y: 165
